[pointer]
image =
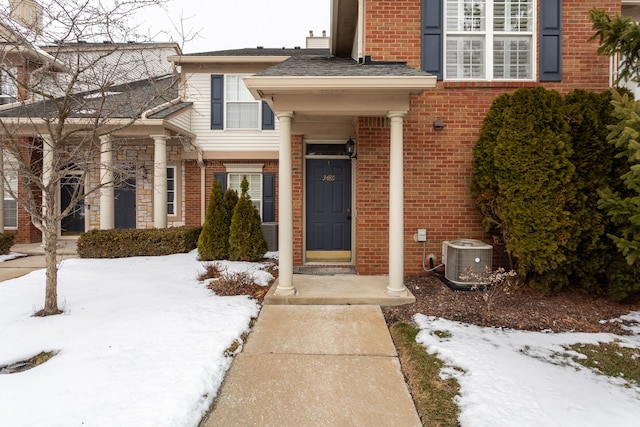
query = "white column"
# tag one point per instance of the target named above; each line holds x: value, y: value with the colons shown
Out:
x: 107, y: 202
x: 2, y: 192
x: 160, y: 181
x: 285, y: 208
x: 396, y: 207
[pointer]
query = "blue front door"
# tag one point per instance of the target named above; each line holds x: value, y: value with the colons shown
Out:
x: 71, y: 188
x: 125, y: 204
x: 328, y: 205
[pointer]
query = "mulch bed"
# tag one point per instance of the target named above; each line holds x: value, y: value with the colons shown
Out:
x: 524, y: 309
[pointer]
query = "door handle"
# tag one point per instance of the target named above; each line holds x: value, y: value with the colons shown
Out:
x: 348, y: 213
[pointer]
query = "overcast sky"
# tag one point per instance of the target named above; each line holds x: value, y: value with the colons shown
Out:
x: 238, y: 24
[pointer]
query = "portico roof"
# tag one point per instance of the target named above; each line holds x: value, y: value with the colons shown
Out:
x: 306, y: 74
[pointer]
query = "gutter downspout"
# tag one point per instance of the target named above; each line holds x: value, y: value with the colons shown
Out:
x: 360, y: 30
x: 145, y: 115
x: 203, y: 177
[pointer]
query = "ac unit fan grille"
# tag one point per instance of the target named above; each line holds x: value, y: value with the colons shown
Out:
x: 465, y: 256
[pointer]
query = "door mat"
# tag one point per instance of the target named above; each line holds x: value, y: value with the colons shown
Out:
x: 324, y: 270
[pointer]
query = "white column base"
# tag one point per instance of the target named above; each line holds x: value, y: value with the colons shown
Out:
x: 285, y: 291
x: 396, y: 292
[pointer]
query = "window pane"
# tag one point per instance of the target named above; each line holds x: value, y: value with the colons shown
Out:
x: 10, y: 204
x: 10, y: 213
x: 171, y: 190
x: 512, y: 58
x: 465, y: 15
x: 8, y: 86
x: 513, y: 15
x: 236, y: 90
x: 465, y: 57
x: 242, y: 115
x: 255, y: 187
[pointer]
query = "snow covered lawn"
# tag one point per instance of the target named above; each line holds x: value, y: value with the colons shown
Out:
x: 518, y: 378
x: 141, y: 343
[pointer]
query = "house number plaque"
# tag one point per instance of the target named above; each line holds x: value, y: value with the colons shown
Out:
x: 329, y: 178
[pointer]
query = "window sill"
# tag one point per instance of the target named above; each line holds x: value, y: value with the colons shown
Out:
x: 488, y: 85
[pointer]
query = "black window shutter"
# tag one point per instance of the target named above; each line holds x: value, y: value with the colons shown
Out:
x: 268, y: 119
x: 550, y: 40
x: 217, y: 101
x: 432, y: 29
x: 268, y: 197
x: 221, y: 177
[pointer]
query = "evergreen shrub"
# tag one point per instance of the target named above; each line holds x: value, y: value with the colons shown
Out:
x: 121, y: 243
x: 6, y: 241
x: 539, y: 166
x: 246, y: 239
x: 213, y: 243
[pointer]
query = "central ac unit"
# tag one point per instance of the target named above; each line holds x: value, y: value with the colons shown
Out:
x: 463, y: 256
x: 270, y: 232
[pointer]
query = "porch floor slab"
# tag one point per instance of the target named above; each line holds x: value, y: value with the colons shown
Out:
x: 340, y: 289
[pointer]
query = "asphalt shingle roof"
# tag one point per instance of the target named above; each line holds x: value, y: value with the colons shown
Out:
x: 127, y: 100
x: 262, y: 52
x: 319, y: 63
x: 328, y: 66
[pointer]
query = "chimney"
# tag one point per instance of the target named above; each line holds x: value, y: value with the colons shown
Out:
x: 27, y: 13
x: 318, y: 42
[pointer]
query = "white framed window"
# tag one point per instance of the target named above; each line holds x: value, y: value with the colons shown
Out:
x: 8, y: 86
x: 10, y: 205
x: 255, y: 186
x: 242, y: 111
x: 172, y: 194
x: 489, y: 39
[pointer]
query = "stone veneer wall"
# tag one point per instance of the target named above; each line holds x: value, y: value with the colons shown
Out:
x: 133, y: 156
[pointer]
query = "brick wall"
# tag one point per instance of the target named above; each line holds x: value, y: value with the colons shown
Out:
x: 372, y: 196
x: 438, y: 163
x: 297, y: 160
x: 27, y: 232
x: 192, y: 184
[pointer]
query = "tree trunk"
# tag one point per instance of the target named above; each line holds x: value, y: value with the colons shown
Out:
x: 50, y: 236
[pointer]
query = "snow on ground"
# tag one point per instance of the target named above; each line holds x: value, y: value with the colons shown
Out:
x: 519, y: 378
x: 10, y: 256
x: 141, y: 343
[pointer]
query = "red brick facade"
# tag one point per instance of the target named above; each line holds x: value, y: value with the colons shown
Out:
x: 438, y: 163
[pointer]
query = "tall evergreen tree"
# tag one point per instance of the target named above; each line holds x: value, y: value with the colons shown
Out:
x: 213, y: 243
x: 246, y: 240
x: 230, y: 200
x: 623, y: 206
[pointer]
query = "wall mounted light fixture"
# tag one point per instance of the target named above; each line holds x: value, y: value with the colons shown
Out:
x: 350, y: 146
x: 143, y: 172
x: 438, y: 124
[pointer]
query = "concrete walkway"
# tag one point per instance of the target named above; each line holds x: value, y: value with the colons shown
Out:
x: 315, y: 365
x: 33, y: 258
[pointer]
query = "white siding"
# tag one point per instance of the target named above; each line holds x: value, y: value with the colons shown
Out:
x: 198, y: 91
x: 182, y: 120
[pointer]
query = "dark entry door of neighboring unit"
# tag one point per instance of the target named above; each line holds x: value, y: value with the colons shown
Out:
x: 328, y: 204
x: 125, y: 204
x: 73, y: 223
